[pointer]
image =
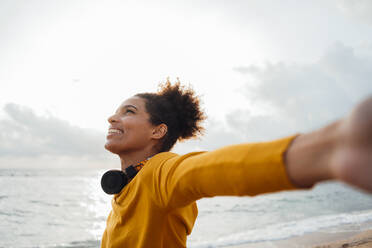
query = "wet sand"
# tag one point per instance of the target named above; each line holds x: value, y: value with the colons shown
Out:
x: 361, y: 240
x: 350, y: 239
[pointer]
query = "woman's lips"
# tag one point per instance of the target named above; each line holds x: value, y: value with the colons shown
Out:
x: 114, y: 132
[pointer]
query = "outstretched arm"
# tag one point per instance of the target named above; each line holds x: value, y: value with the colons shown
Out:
x: 340, y: 151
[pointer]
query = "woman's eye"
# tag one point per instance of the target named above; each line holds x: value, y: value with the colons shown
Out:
x: 129, y: 111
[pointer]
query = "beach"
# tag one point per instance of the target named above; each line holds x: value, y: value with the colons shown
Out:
x: 319, y: 240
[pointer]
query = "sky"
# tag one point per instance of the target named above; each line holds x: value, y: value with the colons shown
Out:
x: 263, y: 69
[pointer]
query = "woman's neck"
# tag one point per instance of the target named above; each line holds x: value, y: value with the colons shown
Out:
x: 127, y: 160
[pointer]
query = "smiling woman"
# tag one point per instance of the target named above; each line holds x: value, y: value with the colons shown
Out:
x: 157, y: 207
x: 130, y: 130
x: 149, y: 123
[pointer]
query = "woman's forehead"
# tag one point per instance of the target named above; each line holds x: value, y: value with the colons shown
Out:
x: 134, y: 102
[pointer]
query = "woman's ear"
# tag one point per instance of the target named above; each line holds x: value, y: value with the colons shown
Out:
x: 159, y: 131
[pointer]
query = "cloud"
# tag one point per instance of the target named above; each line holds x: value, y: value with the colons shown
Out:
x: 296, y: 98
x: 216, y: 135
x: 360, y: 9
x: 302, y: 97
x: 25, y: 134
x: 32, y: 141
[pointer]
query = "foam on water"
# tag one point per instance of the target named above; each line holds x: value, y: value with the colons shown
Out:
x: 288, y: 229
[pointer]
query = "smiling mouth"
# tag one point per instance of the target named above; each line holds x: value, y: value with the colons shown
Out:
x: 114, y: 131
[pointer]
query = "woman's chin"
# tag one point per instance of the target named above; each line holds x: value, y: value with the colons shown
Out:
x: 111, y: 147
x: 116, y: 147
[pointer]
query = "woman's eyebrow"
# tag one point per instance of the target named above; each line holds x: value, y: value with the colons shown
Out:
x: 127, y: 106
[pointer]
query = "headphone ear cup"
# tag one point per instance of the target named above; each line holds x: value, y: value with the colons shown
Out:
x: 113, y: 181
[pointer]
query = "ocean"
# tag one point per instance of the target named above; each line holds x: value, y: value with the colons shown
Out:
x: 68, y: 209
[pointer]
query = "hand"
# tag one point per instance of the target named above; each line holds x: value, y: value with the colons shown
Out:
x: 352, y: 160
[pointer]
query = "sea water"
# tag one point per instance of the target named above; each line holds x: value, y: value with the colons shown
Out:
x: 67, y: 208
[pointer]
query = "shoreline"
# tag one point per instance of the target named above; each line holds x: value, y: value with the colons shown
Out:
x: 328, y: 238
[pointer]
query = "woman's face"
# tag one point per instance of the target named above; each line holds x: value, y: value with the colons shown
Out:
x: 130, y: 128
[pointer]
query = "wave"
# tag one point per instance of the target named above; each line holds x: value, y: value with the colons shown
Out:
x: 80, y: 244
x: 287, y: 229
x: 74, y: 244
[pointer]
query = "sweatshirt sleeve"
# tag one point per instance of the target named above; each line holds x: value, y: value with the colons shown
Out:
x: 237, y: 170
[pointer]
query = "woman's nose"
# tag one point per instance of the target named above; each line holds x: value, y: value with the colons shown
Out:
x: 112, y: 119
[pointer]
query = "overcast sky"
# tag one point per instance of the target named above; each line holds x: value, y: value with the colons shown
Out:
x: 264, y: 69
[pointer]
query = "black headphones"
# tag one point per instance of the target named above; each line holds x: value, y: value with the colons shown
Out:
x: 113, y: 181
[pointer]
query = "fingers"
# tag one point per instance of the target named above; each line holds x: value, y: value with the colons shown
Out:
x: 359, y: 123
x: 354, y: 166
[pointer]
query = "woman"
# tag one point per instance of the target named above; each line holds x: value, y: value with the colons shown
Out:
x: 157, y: 207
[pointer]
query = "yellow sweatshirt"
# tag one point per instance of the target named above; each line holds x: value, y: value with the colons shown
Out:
x: 157, y: 208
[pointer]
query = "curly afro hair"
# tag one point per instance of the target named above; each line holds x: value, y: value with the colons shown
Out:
x: 178, y: 108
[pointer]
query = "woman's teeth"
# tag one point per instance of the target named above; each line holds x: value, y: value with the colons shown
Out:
x: 111, y: 130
